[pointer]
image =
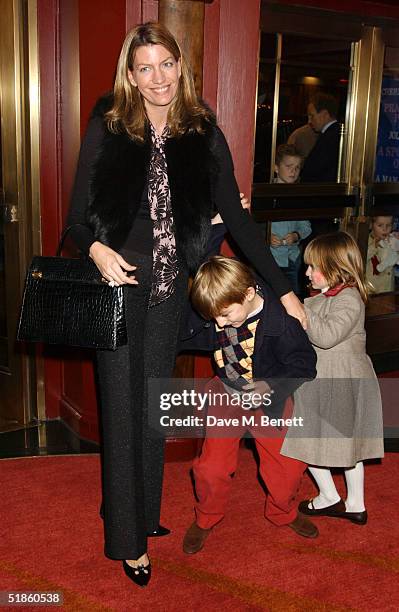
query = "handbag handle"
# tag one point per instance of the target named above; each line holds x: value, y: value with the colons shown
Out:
x: 64, y: 235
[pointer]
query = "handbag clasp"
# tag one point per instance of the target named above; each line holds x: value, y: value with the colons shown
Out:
x: 37, y: 274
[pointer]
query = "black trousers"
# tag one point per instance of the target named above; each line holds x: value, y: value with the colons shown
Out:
x: 132, y: 456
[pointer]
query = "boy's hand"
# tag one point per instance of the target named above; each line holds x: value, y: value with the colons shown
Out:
x: 388, y: 259
x: 275, y: 241
x: 290, y: 238
x: 258, y: 390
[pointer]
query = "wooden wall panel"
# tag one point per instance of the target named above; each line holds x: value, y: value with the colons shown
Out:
x: 69, y: 106
x: 211, y: 54
x: 237, y: 82
x: 99, y: 49
x: 133, y: 13
x: 140, y: 11
x: 149, y: 10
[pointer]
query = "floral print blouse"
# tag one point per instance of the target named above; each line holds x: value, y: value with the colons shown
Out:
x: 164, y: 267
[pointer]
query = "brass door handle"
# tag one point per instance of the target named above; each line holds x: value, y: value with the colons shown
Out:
x: 8, y: 212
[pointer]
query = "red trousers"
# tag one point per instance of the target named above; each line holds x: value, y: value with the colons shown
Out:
x: 214, y: 468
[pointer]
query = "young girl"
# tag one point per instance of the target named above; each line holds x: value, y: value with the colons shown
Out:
x: 341, y: 408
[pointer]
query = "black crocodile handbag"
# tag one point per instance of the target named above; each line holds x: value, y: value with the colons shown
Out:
x: 66, y: 301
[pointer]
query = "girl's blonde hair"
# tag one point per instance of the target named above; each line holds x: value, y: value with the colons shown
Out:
x: 220, y: 282
x: 128, y: 111
x: 338, y: 258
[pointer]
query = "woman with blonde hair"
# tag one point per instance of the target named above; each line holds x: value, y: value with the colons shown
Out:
x: 341, y: 408
x: 154, y: 170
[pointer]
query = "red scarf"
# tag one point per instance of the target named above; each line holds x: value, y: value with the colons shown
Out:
x: 329, y: 292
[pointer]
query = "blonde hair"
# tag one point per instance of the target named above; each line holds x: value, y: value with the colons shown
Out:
x: 128, y: 113
x: 338, y: 258
x: 220, y: 282
x: 287, y: 150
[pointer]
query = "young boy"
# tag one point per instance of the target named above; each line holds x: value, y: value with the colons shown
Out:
x: 382, y: 256
x: 258, y: 349
x: 286, y: 235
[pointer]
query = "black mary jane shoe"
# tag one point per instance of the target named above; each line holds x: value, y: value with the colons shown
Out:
x: 337, y: 510
x: 140, y: 575
x: 157, y: 533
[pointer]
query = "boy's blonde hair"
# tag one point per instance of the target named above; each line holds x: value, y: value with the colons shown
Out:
x: 287, y: 150
x: 220, y: 282
x: 338, y: 258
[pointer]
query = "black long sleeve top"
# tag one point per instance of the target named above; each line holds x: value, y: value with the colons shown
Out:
x: 238, y: 221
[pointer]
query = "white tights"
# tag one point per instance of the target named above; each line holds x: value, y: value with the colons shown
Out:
x: 328, y: 493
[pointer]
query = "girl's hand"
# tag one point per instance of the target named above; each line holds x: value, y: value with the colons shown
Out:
x: 112, y: 265
x: 294, y: 308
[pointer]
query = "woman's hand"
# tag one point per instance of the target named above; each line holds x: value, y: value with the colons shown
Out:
x: 245, y: 203
x: 112, y: 265
x: 294, y: 308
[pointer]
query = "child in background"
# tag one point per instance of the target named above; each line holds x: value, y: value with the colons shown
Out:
x: 382, y: 254
x: 341, y: 408
x: 257, y: 348
x: 287, y: 235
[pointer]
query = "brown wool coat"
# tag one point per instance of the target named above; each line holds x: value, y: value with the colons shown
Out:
x: 341, y: 408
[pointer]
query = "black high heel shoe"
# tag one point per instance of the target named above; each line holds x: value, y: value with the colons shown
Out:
x: 140, y: 575
x: 158, y: 532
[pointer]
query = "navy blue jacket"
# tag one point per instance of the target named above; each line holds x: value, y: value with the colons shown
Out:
x: 283, y: 355
x: 321, y: 165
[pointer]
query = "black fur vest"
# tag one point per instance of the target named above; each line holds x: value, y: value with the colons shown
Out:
x: 120, y: 176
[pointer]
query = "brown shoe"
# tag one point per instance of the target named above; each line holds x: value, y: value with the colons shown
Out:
x: 304, y: 527
x: 195, y: 538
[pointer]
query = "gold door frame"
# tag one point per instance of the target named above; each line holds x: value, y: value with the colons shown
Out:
x: 34, y: 132
x: 19, y: 92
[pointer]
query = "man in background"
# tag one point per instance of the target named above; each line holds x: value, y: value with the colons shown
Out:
x: 321, y: 165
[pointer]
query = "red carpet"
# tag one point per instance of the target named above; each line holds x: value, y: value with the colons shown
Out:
x: 52, y: 540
